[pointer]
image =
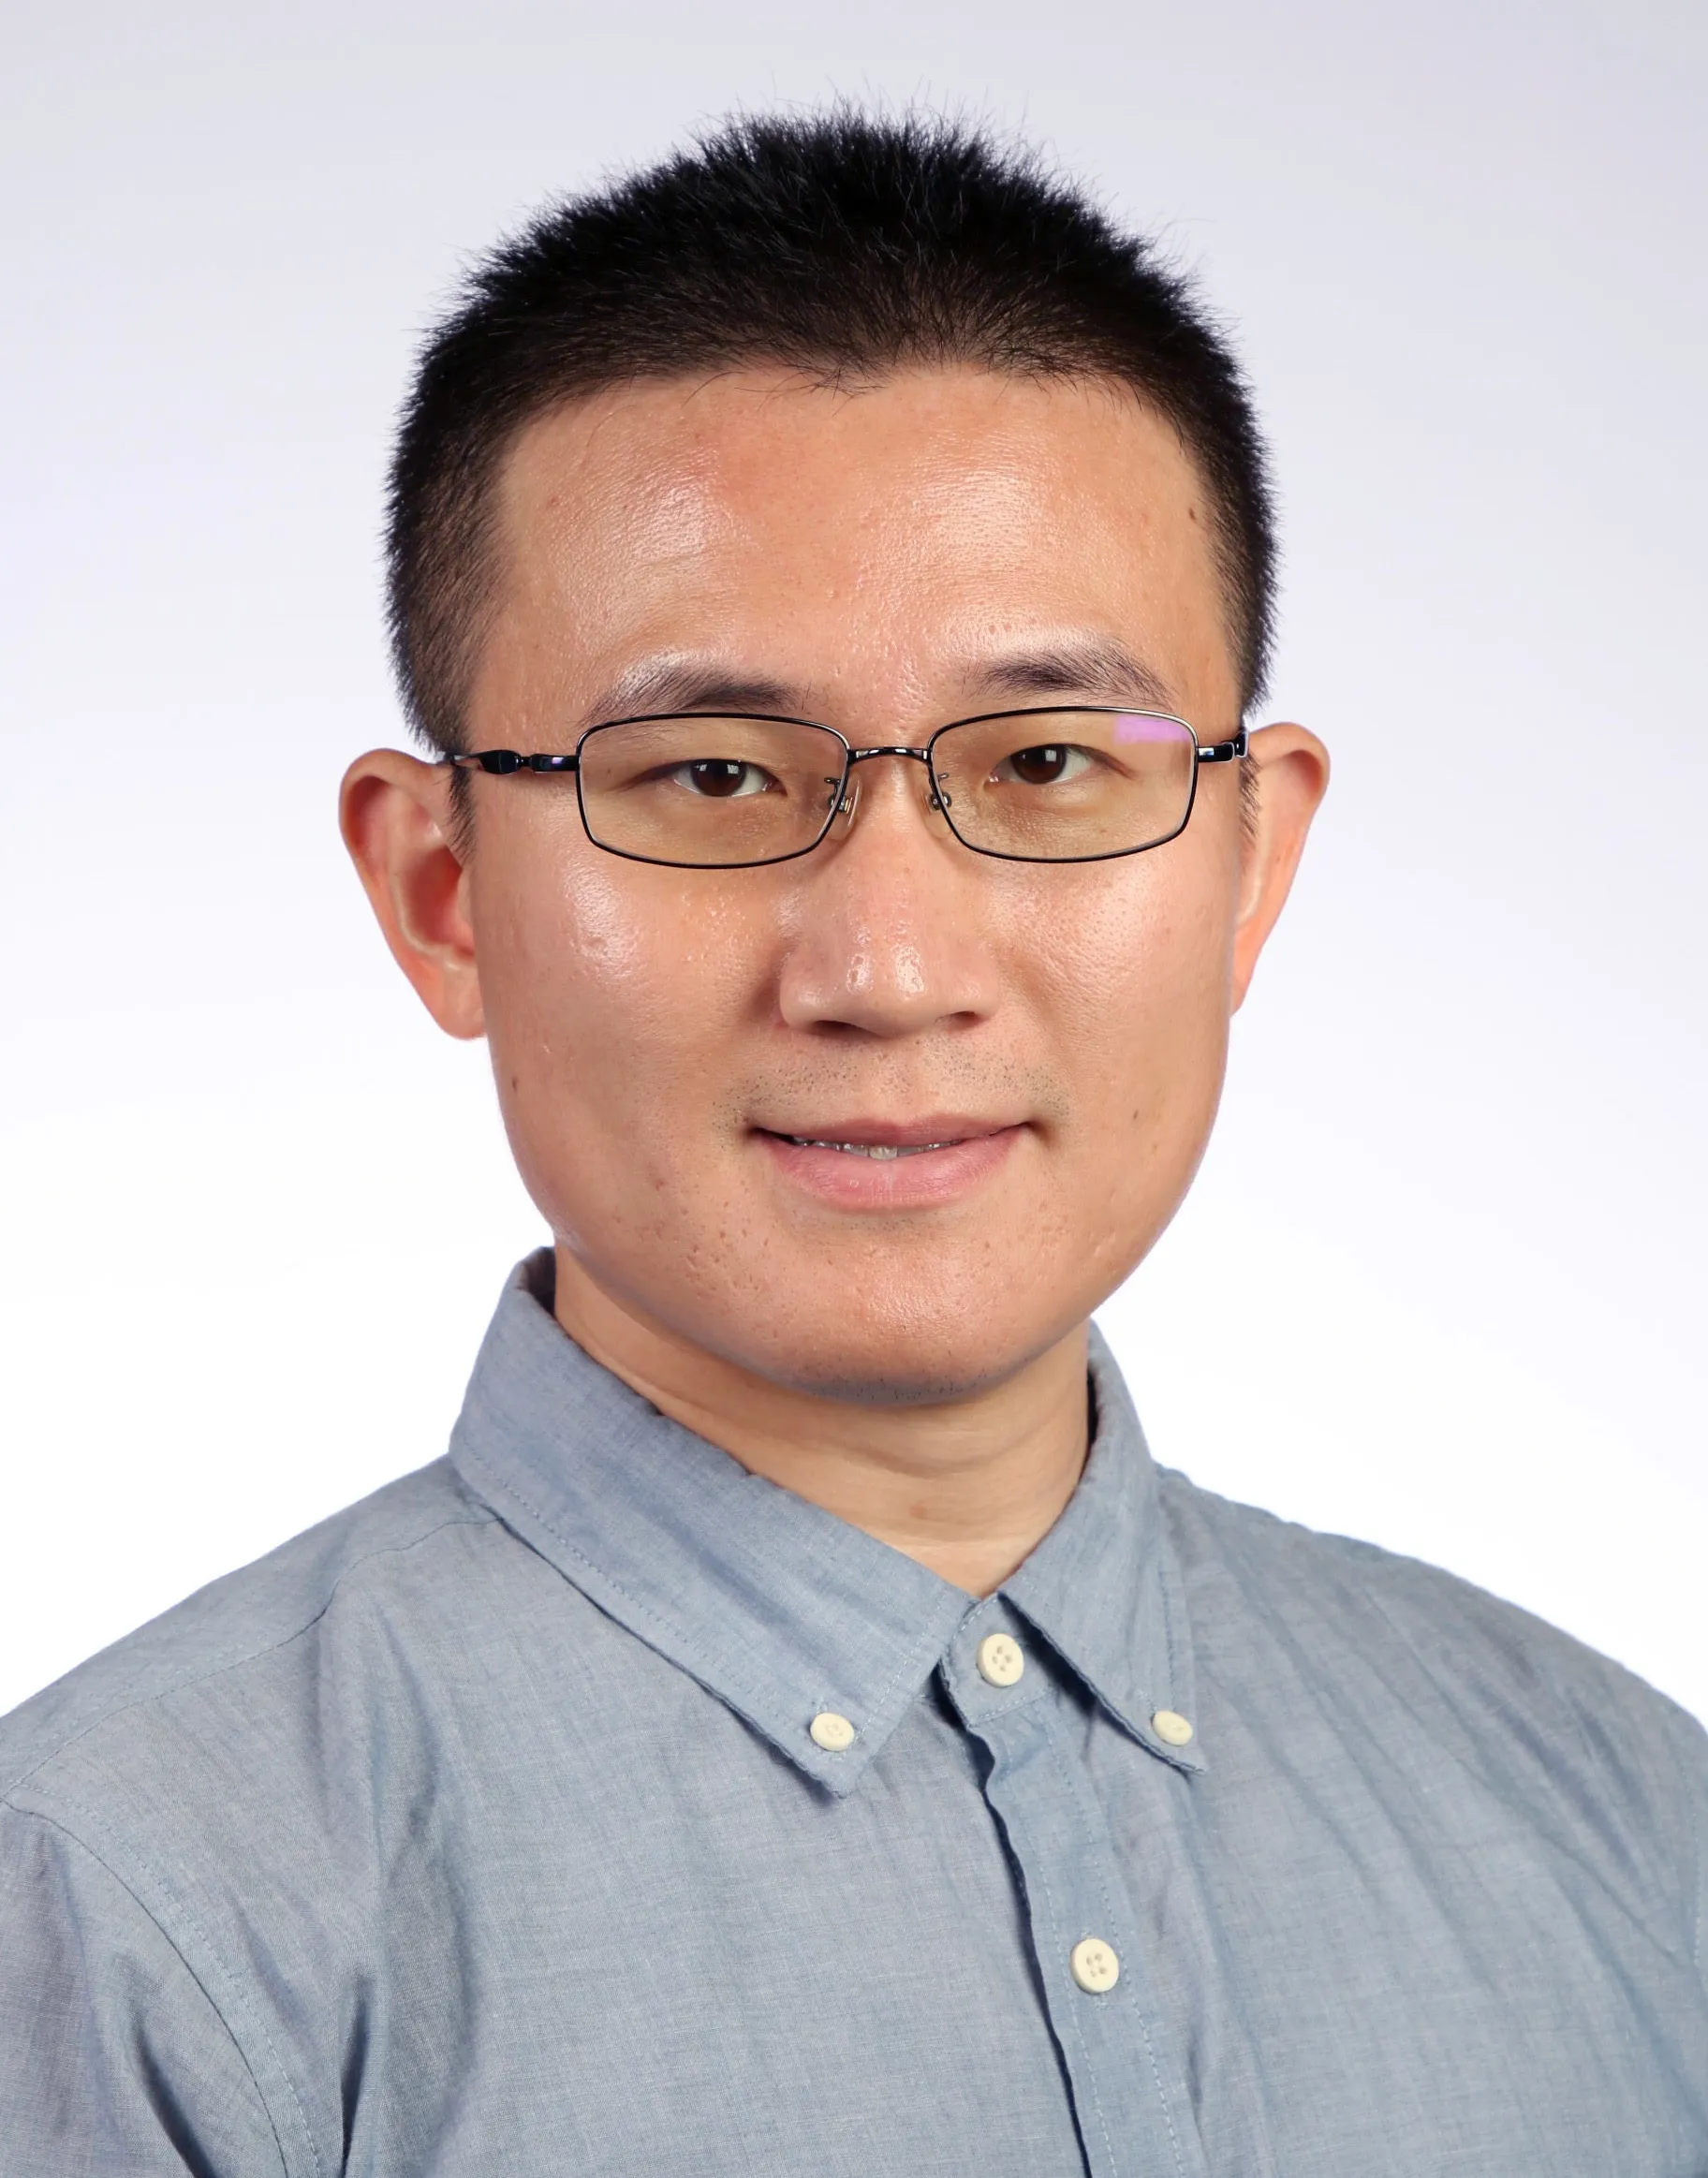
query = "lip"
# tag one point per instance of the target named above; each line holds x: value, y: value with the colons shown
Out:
x: 950, y: 1154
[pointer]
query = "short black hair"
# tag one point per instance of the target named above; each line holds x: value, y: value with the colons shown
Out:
x: 840, y: 244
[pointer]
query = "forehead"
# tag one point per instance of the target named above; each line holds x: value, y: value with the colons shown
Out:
x: 891, y: 532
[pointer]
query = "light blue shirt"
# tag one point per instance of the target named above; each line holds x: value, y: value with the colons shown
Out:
x: 501, y: 1827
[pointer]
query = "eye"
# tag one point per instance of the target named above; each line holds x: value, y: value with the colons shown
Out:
x: 1046, y: 765
x: 722, y: 778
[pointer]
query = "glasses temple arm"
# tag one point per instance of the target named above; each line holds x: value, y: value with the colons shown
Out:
x: 505, y: 761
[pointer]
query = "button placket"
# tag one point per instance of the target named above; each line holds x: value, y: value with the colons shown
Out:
x: 1129, y: 2091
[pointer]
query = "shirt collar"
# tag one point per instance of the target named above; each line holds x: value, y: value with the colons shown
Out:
x: 778, y: 1608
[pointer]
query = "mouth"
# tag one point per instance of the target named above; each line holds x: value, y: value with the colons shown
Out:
x: 887, y: 1139
x: 881, y: 1149
x: 880, y: 1166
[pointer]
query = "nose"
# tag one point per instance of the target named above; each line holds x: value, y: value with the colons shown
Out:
x: 889, y: 930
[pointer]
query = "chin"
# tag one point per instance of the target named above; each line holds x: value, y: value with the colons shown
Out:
x: 900, y: 1361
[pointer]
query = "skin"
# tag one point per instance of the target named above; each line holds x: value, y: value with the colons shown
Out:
x: 901, y: 1342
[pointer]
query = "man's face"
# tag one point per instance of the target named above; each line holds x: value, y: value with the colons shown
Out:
x: 665, y: 1041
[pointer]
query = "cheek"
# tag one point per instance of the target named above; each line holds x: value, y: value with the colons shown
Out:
x: 606, y: 991
x: 1139, y: 974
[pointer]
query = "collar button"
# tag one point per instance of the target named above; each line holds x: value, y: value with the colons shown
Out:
x: 1000, y: 1658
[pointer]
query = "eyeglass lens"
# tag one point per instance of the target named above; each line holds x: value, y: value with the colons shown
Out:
x: 1056, y: 786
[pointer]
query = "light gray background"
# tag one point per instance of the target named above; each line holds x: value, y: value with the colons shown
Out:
x: 1440, y: 1282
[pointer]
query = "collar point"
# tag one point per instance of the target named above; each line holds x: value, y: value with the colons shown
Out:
x: 1191, y: 1760
x: 834, y: 1774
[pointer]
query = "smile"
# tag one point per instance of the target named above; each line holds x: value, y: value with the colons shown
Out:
x: 858, y: 1164
x: 867, y: 1149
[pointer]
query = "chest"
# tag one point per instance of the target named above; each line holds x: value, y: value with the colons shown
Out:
x: 689, y: 1959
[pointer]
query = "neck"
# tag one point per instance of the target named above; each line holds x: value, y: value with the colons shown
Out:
x: 968, y: 1485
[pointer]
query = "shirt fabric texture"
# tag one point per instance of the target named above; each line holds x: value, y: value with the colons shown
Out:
x: 481, y: 1831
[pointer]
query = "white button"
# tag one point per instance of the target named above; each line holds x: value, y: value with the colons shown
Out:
x: 831, y: 1732
x: 1001, y: 1659
x: 1095, y: 1967
x: 1168, y: 1724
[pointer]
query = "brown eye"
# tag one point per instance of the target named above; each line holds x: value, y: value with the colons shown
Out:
x: 1046, y: 765
x: 720, y: 779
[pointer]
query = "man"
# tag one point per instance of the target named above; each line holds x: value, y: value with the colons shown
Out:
x: 797, y: 1728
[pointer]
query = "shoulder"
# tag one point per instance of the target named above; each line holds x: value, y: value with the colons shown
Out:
x: 1445, y: 1675
x: 267, y: 1622
x: 1337, y: 1588
x: 184, y: 1866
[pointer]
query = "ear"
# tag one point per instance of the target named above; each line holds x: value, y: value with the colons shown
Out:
x: 1291, y: 767
x: 395, y: 814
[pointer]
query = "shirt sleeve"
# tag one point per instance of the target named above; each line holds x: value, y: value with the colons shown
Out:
x: 113, y: 2059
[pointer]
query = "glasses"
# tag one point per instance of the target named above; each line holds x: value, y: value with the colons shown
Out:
x: 716, y: 791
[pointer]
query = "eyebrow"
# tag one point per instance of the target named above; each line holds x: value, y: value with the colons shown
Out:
x: 672, y: 682
x: 1077, y: 666
x: 1089, y: 667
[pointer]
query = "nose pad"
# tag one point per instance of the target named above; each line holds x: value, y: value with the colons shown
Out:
x: 845, y: 810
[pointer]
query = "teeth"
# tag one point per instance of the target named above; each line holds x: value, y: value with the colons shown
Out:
x: 883, y: 1150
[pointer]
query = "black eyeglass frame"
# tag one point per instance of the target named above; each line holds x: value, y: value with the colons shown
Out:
x: 502, y: 763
